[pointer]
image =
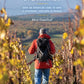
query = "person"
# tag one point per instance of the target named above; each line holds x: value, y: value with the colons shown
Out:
x: 42, y: 69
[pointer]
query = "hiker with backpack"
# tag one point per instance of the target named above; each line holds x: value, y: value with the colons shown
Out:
x: 42, y: 47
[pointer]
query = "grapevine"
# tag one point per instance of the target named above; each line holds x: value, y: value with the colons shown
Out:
x: 71, y: 64
x: 13, y: 64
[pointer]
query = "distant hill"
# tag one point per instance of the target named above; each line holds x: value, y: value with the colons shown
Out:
x: 44, y: 17
x: 27, y: 30
x: 53, y: 22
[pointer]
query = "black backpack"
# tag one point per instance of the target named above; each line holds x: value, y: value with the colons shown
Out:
x: 43, y: 49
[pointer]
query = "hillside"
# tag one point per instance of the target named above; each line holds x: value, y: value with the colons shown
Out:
x: 27, y: 30
x: 54, y: 17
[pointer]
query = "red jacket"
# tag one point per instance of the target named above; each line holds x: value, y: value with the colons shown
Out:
x: 33, y: 49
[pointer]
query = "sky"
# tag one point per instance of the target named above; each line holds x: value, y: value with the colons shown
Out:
x: 22, y: 7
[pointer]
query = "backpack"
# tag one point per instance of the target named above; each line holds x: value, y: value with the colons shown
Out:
x: 43, y: 49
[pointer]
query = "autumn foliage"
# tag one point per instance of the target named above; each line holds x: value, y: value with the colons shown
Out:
x: 68, y: 64
x: 13, y: 64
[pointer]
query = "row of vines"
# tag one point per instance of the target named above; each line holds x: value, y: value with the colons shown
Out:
x: 68, y: 64
x: 13, y: 64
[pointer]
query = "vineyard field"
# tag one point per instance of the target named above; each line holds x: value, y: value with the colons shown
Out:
x: 17, y: 34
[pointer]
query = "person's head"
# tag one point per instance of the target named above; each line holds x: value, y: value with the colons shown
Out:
x: 42, y: 31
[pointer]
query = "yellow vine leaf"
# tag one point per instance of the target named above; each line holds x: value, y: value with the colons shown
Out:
x: 1, y: 76
x: 77, y: 7
x: 65, y: 35
x: 82, y: 22
x: 22, y: 83
x: 3, y: 11
x: 18, y: 61
x: 79, y: 52
x: 62, y: 47
x: 5, y: 17
x: 60, y: 77
x: 57, y: 71
x: 2, y: 35
x: 76, y: 32
x: 12, y: 61
x: 72, y: 51
x: 57, y: 64
x: 22, y: 52
x: 4, y: 69
x: 83, y: 13
x: 9, y: 22
x: 82, y: 81
x: 78, y: 62
x: 82, y: 42
x: 12, y: 79
x: 81, y: 32
x: 2, y: 20
x: 11, y: 44
x: 11, y: 73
